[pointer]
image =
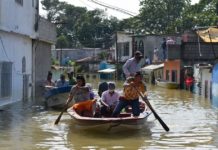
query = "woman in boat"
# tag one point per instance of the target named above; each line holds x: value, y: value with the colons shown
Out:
x: 109, y: 100
x: 131, y: 96
x: 81, y: 95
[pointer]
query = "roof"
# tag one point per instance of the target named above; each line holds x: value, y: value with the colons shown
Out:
x: 209, y: 35
x: 152, y: 67
x: 108, y: 70
x: 86, y: 59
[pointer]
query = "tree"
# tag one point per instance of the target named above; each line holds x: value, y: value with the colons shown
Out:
x: 79, y: 26
x: 62, y: 42
x: 160, y: 16
x: 202, y: 14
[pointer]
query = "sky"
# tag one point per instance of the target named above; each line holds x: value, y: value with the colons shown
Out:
x: 129, y: 5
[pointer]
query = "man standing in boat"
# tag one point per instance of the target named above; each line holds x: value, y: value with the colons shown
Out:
x: 131, y: 96
x: 132, y: 65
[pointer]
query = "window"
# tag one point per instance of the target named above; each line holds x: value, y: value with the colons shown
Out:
x: 19, y: 2
x: 5, y: 79
x: 126, y: 49
x: 141, y: 46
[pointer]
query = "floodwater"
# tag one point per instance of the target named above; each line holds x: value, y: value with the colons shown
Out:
x: 192, y: 121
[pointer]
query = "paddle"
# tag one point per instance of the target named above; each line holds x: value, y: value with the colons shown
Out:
x: 153, y: 111
x: 64, y: 109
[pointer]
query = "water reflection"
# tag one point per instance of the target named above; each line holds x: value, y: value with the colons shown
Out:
x: 192, y: 121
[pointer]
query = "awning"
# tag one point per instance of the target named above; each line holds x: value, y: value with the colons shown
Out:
x: 150, y: 68
x: 108, y: 70
x: 209, y: 33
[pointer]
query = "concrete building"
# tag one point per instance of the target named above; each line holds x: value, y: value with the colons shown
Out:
x: 20, y: 46
x: 123, y: 46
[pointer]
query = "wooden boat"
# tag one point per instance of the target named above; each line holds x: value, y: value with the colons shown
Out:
x: 167, y: 84
x: 124, y: 122
x: 56, y: 97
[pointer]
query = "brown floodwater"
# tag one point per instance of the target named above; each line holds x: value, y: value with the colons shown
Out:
x: 192, y: 121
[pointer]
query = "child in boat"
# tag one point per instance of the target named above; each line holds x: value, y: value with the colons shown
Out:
x: 131, y: 96
x: 109, y: 100
x: 81, y: 95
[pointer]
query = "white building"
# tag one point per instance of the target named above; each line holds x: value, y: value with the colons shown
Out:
x: 19, y: 37
x: 123, y: 46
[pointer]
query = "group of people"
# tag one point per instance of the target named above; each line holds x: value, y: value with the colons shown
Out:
x: 111, y: 101
x: 62, y: 82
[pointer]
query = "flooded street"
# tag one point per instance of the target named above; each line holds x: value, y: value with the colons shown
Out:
x: 192, y: 121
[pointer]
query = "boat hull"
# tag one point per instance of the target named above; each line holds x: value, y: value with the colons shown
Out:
x: 57, y: 97
x: 126, y: 122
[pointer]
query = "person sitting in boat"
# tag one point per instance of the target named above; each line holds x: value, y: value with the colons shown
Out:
x: 81, y: 96
x: 72, y: 80
x: 131, y: 96
x: 91, y: 93
x: 62, y: 82
x: 49, y: 83
x: 109, y: 100
x: 103, y: 86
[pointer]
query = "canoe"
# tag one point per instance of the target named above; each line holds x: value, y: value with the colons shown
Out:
x: 125, y: 121
x: 57, y: 96
x: 167, y: 84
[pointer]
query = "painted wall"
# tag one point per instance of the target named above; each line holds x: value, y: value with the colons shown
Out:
x: 12, y: 49
x: 172, y: 65
x: 18, y: 18
x: 17, y: 29
x: 43, y: 65
x: 215, y: 85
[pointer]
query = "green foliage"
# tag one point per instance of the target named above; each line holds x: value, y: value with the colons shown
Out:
x: 201, y: 14
x: 159, y: 16
x: 79, y: 26
x: 54, y: 61
x: 62, y: 42
x: 102, y: 55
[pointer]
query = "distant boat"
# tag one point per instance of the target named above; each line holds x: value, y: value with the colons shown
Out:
x: 167, y: 84
x: 56, y: 97
x: 124, y: 122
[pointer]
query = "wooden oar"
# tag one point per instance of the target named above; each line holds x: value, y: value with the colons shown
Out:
x: 60, y: 115
x: 153, y: 111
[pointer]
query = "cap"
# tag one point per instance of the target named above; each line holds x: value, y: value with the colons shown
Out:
x: 138, y: 54
x: 111, y: 86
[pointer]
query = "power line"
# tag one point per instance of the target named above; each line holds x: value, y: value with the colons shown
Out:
x: 114, y: 8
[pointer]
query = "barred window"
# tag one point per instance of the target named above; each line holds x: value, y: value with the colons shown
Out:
x: 5, y: 79
x: 19, y: 2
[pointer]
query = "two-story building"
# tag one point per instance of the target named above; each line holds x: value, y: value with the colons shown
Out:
x: 21, y: 48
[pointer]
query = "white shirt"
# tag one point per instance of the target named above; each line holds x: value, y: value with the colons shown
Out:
x: 109, y: 99
x: 131, y: 67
